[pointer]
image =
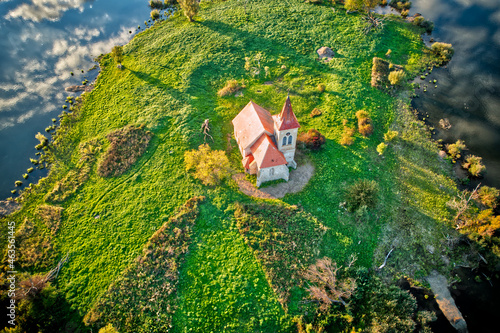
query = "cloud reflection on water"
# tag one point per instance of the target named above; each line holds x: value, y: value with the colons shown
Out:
x: 47, y: 56
x: 39, y: 10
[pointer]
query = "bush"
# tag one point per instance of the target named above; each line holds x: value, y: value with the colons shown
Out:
x: 42, y: 138
x: 127, y: 144
x: 155, y: 14
x: 210, y: 166
x: 315, y: 113
x: 443, y: 51
x: 390, y: 135
x: 381, y: 148
x: 455, y: 149
x: 365, y: 127
x: 347, y: 138
x: 158, y: 4
x: 313, y: 139
x: 396, y: 77
x: 361, y: 194
x: 400, y: 5
x: 474, y: 165
x: 484, y: 224
x: 51, y: 216
x: 18, y: 183
x: 321, y: 87
x: 231, y: 87
x: 108, y: 329
x: 380, y: 71
x: 488, y: 196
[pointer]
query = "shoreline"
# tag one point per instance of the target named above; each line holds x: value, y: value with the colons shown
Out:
x: 172, y: 150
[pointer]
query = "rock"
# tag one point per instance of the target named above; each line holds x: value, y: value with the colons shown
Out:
x: 444, y: 123
x: 8, y: 207
x: 446, y: 303
x: 460, y: 172
x: 78, y: 88
x: 325, y: 52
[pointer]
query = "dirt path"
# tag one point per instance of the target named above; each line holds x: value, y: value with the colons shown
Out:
x: 446, y: 303
x: 298, y: 180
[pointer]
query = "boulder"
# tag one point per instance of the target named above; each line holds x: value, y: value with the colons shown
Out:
x: 325, y: 53
x: 78, y: 88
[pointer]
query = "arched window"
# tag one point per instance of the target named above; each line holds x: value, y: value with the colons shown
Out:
x: 285, y: 140
x: 271, y: 172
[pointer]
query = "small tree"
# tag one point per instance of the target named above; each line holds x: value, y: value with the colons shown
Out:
x: 117, y: 54
x: 190, y: 8
x: 210, y: 166
x: 326, y: 287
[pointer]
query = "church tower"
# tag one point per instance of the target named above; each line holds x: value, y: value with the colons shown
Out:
x: 286, y: 127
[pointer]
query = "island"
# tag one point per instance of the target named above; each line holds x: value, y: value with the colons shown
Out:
x: 140, y: 226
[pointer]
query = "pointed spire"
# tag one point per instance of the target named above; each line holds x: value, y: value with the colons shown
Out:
x: 287, y: 119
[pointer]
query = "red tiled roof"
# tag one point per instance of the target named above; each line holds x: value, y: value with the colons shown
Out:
x: 266, y: 154
x: 287, y: 119
x: 247, y: 161
x: 251, y: 123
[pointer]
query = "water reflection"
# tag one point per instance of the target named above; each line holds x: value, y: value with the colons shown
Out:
x: 42, y: 42
x: 39, y: 10
x: 468, y: 92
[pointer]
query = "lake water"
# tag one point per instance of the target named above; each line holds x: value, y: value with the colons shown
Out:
x: 41, y: 43
x: 468, y: 91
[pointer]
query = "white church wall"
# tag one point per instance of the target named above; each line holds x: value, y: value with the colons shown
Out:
x: 273, y: 173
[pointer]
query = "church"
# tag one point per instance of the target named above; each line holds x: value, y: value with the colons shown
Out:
x: 267, y: 143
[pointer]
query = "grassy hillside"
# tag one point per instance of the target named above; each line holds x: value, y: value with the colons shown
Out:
x: 169, y: 83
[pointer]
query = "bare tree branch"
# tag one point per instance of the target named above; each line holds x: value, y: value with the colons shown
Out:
x: 325, y: 287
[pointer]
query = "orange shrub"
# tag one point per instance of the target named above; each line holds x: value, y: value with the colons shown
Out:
x: 365, y: 127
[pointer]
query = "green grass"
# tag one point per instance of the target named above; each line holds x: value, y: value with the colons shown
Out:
x: 223, y: 286
x: 169, y: 83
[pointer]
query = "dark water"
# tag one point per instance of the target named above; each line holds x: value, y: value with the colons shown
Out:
x: 468, y: 91
x: 41, y: 42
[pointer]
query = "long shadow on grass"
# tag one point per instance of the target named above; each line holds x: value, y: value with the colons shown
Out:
x: 158, y: 83
x: 253, y: 42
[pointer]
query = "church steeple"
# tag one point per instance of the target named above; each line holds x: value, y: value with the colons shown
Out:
x: 287, y: 119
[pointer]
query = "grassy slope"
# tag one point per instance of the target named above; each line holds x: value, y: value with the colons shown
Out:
x: 171, y: 76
